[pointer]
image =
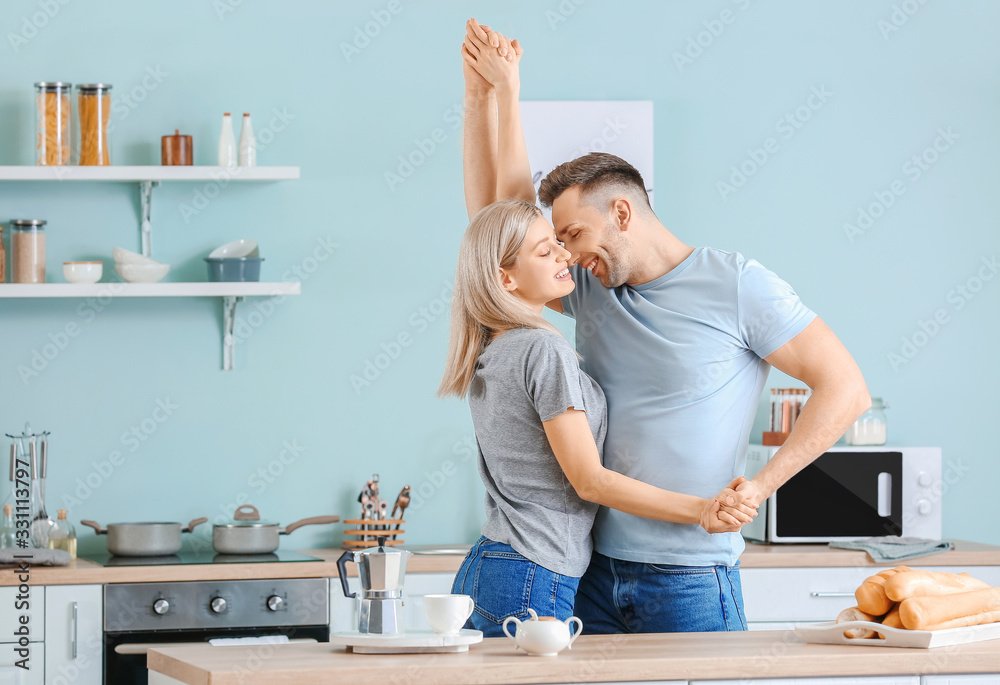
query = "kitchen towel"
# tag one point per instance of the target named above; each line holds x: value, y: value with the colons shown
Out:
x: 263, y: 640
x: 895, y: 548
x: 35, y: 557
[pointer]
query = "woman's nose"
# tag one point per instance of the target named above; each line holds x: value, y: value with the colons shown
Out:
x: 564, y: 254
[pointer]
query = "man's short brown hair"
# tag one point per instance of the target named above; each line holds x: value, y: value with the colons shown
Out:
x: 590, y: 172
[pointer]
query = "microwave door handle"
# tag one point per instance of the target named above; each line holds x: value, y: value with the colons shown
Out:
x: 885, y: 494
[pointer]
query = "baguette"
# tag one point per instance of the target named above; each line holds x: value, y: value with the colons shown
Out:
x: 892, y: 620
x: 918, y: 613
x: 871, y: 596
x: 974, y: 620
x: 929, y: 583
x: 855, y: 614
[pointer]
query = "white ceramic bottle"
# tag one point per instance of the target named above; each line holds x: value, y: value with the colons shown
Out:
x: 227, y: 143
x: 248, y: 144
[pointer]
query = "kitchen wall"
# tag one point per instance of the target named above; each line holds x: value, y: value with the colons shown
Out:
x: 824, y: 105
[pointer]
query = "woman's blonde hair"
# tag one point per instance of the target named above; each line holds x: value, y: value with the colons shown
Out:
x: 481, y: 307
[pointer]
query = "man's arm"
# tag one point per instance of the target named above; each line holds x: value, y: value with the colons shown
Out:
x: 839, y: 396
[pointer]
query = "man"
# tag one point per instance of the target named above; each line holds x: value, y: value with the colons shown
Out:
x: 681, y: 339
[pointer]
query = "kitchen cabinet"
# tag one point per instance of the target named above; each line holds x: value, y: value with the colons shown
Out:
x: 13, y: 675
x: 969, y: 679
x: 778, y: 598
x: 149, y: 177
x: 10, y: 616
x: 73, y: 629
x: 852, y: 680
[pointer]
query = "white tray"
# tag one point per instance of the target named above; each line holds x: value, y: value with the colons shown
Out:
x: 413, y: 642
x: 833, y: 634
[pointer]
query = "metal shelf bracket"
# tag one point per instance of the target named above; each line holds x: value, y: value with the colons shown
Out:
x: 229, y: 330
x: 146, y: 217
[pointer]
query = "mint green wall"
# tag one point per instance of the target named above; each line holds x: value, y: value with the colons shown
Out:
x: 391, y: 250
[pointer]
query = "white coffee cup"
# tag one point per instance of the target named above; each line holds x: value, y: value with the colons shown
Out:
x: 446, y: 614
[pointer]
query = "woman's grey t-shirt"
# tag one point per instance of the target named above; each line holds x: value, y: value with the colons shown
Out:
x: 524, y: 377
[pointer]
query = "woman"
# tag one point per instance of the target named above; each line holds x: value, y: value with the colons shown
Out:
x: 539, y: 419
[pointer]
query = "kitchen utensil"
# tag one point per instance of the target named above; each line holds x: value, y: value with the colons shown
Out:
x: 545, y: 636
x: 381, y: 572
x: 144, y: 539
x: 234, y: 269
x: 142, y: 273
x: 243, y: 247
x: 83, y: 272
x: 42, y: 524
x: 248, y: 534
x: 833, y: 634
x: 446, y: 614
x: 402, y: 502
x: 175, y: 150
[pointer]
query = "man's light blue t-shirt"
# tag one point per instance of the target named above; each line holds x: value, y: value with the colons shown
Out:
x: 680, y: 360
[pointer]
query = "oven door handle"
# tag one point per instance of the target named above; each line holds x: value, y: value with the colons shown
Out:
x: 143, y: 647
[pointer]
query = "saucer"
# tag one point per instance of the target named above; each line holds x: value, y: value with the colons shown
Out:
x: 412, y: 642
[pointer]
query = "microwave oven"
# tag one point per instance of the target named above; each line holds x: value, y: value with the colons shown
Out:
x: 850, y: 493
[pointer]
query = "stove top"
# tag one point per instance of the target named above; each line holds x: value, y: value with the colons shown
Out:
x: 203, y: 557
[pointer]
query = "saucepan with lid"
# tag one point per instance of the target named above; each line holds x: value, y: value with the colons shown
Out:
x: 248, y: 534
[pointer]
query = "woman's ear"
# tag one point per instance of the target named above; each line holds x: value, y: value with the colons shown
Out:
x: 507, y: 280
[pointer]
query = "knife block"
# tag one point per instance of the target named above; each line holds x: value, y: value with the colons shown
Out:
x: 369, y: 530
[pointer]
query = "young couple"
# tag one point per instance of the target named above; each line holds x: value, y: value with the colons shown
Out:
x: 614, y: 491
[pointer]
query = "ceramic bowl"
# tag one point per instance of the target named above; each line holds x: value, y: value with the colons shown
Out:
x: 83, y: 272
x: 238, y: 248
x: 142, y: 273
x: 123, y: 256
x: 234, y: 269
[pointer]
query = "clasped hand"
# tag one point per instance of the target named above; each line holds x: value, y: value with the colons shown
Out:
x: 733, y: 507
x: 490, y: 58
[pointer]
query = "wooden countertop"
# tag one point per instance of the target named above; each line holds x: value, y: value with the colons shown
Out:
x: 594, y: 658
x: 81, y: 571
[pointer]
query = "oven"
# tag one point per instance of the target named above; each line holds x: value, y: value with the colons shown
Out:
x: 140, y: 616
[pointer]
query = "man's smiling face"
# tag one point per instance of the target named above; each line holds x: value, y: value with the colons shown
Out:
x: 593, y: 239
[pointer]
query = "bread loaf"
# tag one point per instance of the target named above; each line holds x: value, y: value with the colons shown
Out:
x: 892, y: 620
x: 871, y: 596
x: 929, y: 583
x: 855, y: 614
x: 972, y: 607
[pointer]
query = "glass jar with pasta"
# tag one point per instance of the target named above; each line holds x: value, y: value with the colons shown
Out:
x: 52, y: 123
x: 93, y: 107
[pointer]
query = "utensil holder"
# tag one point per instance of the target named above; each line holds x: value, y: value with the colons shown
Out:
x: 368, y: 530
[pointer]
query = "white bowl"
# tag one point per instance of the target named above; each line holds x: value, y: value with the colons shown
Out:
x: 123, y: 256
x: 237, y: 248
x: 142, y: 273
x: 83, y: 272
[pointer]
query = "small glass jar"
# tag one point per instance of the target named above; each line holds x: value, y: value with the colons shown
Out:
x: 52, y: 123
x: 93, y: 107
x: 27, y: 248
x: 871, y: 427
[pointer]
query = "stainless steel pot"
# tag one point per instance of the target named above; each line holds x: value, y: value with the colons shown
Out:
x: 247, y: 534
x: 144, y: 539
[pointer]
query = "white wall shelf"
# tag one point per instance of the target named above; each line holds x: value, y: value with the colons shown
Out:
x: 135, y: 174
x: 117, y: 289
x: 149, y: 177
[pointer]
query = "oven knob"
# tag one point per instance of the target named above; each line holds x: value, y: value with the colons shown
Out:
x: 218, y: 605
x: 924, y: 507
x: 161, y: 606
x: 924, y: 479
x: 274, y: 603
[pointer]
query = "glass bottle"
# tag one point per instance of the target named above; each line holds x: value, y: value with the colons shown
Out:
x: 248, y: 144
x: 93, y: 107
x: 52, y: 123
x: 62, y: 535
x: 8, y: 531
x: 8, y: 495
x: 27, y: 251
x: 3, y: 259
x: 227, y: 143
x: 871, y: 427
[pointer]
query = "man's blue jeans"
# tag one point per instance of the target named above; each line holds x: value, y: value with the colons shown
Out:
x: 503, y: 583
x: 618, y: 596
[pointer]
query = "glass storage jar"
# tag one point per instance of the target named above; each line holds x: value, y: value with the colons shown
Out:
x: 871, y: 427
x: 52, y: 123
x: 27, y: 248
x: 93, y: 107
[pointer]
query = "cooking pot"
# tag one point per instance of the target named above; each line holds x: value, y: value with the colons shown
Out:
x: 144, y: 539
x: 248, y: 534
